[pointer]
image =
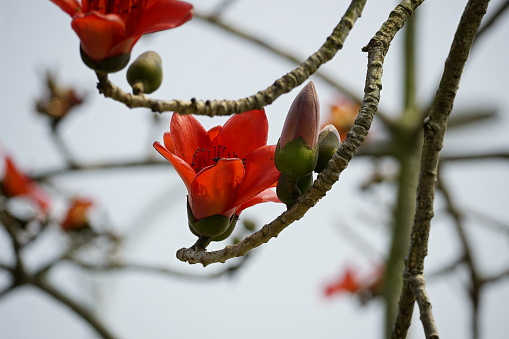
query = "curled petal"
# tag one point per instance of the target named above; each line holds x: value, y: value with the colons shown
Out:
x: 185, y: 171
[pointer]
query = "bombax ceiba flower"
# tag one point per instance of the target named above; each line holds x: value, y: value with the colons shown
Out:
x: 225, y: 169
x: 108, y: 29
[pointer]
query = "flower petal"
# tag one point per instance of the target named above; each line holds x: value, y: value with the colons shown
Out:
x: 243, y: 133
x: 214, y: 131
x: 71, y: 7
x: 267, y: 195
x: 213, y: 190
x: 188, y: 135
x: 161, y: 15
x: 99, y: 33
x: 183, y: 169
x: 168, y: 142
x: 261, y: 173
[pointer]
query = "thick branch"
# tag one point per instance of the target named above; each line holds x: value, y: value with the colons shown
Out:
x: 434, y: 131
x: 377, y: 49
x: 261, y: 99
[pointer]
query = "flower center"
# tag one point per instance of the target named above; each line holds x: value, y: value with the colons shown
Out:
x: 123, y: 8
x: 203, y: 157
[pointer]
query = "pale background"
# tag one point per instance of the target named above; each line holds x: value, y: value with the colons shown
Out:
x: 280, y: 292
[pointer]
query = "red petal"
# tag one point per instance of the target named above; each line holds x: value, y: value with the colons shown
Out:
x: 243, y: 133
x: 266, y: 196
x: 183, y: 169
x: 213, y: 190
x: 99, y: 33
x: 168, y: 142
x: 160, y: 15
x: 214, y: 131
x: 261, y: 173
x: 188, y: 135
x: 71, y: 7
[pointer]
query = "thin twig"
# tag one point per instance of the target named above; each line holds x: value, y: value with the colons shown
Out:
x: 434, y: 131
x: 257, y: 101
x: 82, y: 312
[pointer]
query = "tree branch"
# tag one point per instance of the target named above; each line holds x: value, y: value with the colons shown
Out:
x: 261, y: 99
x: 434, y: 131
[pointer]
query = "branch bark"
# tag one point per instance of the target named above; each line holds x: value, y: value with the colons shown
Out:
x: 434, y: 131
x: 257, y: 101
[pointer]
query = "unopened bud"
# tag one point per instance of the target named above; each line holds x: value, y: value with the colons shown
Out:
x: 328, y: 143
x: 145, y: 74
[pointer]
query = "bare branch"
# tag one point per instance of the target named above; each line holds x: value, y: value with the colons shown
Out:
x: 434, y: 131
x: 261, y: 99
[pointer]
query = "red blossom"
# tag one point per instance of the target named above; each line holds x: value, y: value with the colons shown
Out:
x: 76, y: 216
x: 225, y: 169
x: 366, y: 287
x: 342, y: 115
x: 16, y: 183
x: 108, y: 28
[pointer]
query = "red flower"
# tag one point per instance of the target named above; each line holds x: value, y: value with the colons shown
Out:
x: 109, y: 28
x: 225, y: 169
x: 348, y: 282
x: 76, y: 217
x: 15, y: 183
x: 342, y: 115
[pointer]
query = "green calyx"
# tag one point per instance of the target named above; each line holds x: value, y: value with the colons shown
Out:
x: 296, y: 159
x: 328, y: 144
x: 216, y: 227
x: 145, y: 74
x: 289, y: 190
x: 110, y: 65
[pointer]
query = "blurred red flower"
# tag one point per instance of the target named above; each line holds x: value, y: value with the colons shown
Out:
x: 16, y: 183
x: 225, y: 169
x: 76, y: 217
x: 108, y: 28
x: 342, y: 115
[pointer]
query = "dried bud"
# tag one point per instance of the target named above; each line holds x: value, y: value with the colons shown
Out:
x: 145, y: 74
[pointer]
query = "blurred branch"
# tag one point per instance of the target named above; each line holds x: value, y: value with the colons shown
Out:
x: 82, y: 312
x: 377, y: 49
x: 434, y: 131
x: 467, y: 257
x: 261, y: 99
x: 100, y: 166
x: 473, y: 156
x: 144, y: 268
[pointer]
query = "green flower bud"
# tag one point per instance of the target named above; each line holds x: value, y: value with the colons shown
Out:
x: 289, y: 190
x: 296, y: 159
x: 145, y: 74
x: 110, y: 65
x: 328, y: 143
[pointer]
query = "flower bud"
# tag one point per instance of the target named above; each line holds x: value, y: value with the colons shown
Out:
x: 296, y: 152
x: 289, y: 190
x: 110, y: 65
x: 145, y: 74
x: 328, y: 143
